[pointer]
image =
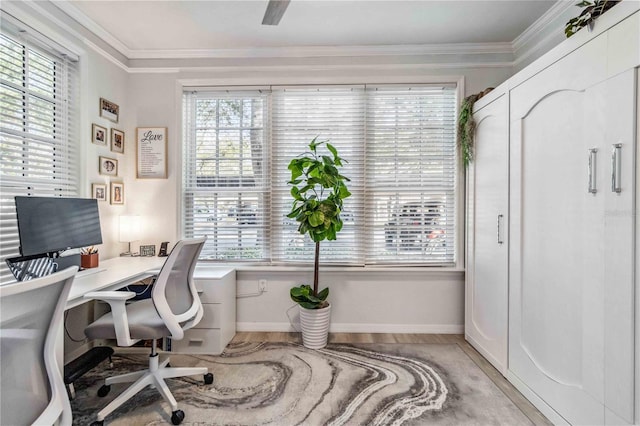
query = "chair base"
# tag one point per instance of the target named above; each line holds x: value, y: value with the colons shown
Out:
x: 155, y: 377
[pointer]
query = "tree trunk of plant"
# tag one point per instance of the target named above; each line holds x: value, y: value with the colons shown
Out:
x: 316, y: 267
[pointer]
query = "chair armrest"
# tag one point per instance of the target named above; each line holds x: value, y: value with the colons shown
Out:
x: 117, y: 302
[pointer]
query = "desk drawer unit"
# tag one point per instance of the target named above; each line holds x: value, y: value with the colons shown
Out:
x: 217, y: 291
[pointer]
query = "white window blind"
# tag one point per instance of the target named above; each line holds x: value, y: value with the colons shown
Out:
x: 400, y: 145
x: 299, y: 115
x: 38, y: 89
x: 226, y: 184
x: 411, y: 174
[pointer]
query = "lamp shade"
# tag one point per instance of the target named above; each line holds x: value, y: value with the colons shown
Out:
x: 129, y: 228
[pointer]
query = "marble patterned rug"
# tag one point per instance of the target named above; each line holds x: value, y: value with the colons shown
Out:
x: 284, y: 384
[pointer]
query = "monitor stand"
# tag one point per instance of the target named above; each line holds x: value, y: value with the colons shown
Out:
x: 39, y: 265
x: 65, y: 261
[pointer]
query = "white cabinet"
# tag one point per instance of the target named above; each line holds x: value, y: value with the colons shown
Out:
x: 572, y: 119
x: 487, y: 244
x: 217, y: 290
x: 571, y: 252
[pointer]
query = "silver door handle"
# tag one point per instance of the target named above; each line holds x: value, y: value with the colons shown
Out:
x: 500, y: 217
x: 616, y: 165
x: 592, y: 170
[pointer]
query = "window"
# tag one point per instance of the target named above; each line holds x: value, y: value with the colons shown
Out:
x: 400, y: 144
x: 226, y: 185
x: 37, y: 132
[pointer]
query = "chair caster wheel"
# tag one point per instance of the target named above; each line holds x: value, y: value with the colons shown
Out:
x: 104, y: 391
x: 98, y: 423
x: 208, y: 379
x: 177, y: 417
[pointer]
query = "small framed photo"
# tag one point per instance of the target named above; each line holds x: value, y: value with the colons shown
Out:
x: 117, y: 193
x: 109, y: 110
x: 117, y: 141
x: 98, y: 135
x: 99, y: 191
x: 108, y: 166
x: 149, y: 250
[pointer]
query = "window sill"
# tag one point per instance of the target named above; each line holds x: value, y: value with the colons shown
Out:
x: 428, y: 270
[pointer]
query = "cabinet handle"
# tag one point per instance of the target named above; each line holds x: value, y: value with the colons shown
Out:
x: 616, y: 163
x: 592, y: 170
x: 198, y: 341
x: 500, y: 217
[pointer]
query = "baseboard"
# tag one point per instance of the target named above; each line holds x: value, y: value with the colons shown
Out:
x: 358, y: 328
x: 538, y: 402
x: 487, y: 355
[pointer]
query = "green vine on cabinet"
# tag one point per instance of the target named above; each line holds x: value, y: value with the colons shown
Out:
x: 592, y: 10
x: 467, y: 128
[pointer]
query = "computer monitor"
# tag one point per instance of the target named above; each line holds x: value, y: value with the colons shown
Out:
x: 50, y: 225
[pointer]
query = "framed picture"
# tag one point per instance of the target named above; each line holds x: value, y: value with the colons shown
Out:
x: 117, y: 141
x: 117, y: 193
x: 149, y: 250
x: 109, y: 110
x: 98, y: 135
x: 99, y: 191
x: 151, y: 152
x: 108, y: 166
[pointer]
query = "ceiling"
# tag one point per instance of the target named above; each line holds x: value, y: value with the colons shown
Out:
x: 195, y: 25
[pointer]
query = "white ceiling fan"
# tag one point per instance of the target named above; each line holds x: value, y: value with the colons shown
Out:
x: 274, y: 12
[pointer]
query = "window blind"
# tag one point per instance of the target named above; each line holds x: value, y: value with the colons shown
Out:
x: 38, y: 137
x: 411, y: 174
x: 299, y: 115
x: 399, y: 142
x: 226, y: 183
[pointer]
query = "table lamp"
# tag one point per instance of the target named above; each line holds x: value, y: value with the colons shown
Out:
x: 129, y: 231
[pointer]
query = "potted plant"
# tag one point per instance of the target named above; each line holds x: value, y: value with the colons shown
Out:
x: 318, y: 189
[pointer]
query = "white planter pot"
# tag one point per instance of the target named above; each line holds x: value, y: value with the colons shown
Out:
x: 315, y: 327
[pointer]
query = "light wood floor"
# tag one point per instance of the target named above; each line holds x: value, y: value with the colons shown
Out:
x: 512, y: 393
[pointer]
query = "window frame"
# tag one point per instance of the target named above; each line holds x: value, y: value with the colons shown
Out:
x: 394, y: 76
x: 66, y: 107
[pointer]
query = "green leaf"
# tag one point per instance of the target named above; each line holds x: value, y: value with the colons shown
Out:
x: 333, y: 150
x: 322, y: 295
x: 295, y: 193
x: 328, y: 161
x: 344, y: 192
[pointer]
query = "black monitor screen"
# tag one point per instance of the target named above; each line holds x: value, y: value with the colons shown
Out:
x: 51, y: 224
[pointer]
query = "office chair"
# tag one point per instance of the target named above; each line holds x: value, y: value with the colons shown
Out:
x: 31, y: 385
x: 174, y: 307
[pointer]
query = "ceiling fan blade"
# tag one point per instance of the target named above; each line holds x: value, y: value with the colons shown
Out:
x: 275, y: 10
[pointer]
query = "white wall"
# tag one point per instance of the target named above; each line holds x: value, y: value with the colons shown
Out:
x: 363, y: 301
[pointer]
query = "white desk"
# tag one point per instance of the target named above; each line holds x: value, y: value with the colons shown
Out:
x: 112, y: 274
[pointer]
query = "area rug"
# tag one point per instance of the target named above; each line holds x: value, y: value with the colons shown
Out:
x: 287, y: 384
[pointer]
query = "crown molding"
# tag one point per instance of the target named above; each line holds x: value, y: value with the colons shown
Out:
x: 67, y: 7
x: 518, y: 48
x: 326, y: 51
x: 541, y: 24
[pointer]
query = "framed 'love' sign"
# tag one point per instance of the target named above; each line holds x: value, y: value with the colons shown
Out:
x: 151, y: 152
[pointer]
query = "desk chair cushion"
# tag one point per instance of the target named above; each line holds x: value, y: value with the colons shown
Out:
x: 144, y: 323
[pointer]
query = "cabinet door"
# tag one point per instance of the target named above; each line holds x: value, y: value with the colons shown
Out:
x: 564, y: 327
x: 486, y: 278
x: 556, y: 271
x: 619, y: 241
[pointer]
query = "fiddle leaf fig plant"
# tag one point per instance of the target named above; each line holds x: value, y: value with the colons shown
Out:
x: 318, y: 190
